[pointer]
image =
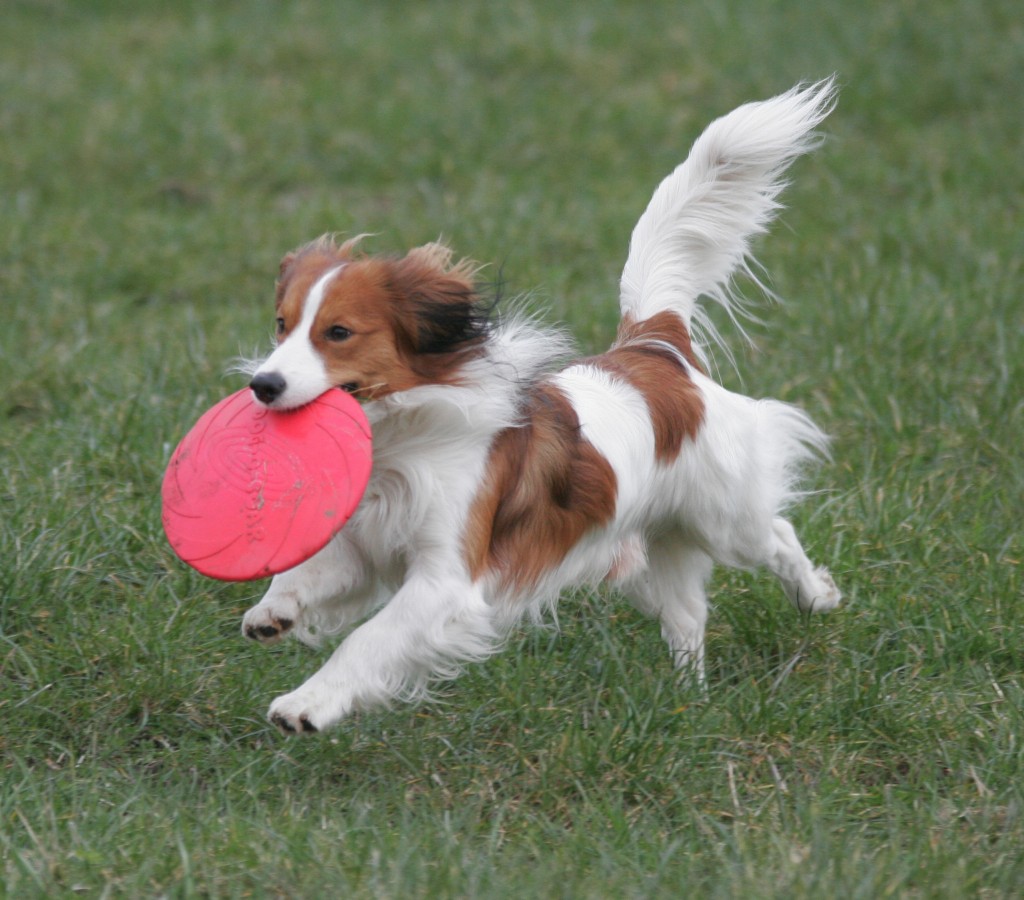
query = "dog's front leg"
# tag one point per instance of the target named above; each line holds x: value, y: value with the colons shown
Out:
x: 301, y: 598
x: 427, y: 629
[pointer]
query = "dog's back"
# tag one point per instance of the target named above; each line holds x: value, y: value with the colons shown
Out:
x: 637, y: 445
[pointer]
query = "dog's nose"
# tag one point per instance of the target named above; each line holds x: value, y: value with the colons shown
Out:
x: 268, y: 386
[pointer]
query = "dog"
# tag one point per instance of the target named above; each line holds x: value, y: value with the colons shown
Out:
x: 505, y: 472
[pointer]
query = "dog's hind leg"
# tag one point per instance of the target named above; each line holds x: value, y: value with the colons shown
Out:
x: 673, y: 589
x: 809, y: 588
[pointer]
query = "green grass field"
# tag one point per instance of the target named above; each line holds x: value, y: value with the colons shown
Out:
x: 156, y: 160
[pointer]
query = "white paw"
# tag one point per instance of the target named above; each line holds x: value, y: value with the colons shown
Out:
x: 269, y: 622
x: 302, y: 711
x: 820, y: 593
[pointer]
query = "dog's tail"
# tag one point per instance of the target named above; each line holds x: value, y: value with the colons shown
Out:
x: 695, y: 234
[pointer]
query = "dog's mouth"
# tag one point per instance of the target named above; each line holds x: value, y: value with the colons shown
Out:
x: 364, y: 393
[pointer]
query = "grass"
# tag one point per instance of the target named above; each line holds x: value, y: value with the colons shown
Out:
x: 159, y: 159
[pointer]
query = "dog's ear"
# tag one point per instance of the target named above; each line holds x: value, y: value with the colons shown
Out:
x: 286, y: 264
x: 444, y: 312
x: 283, y: 275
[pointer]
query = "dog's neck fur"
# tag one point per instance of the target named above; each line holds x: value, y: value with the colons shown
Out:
x: 487, y: 395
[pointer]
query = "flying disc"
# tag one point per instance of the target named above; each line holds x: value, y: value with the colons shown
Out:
x: 250, y: 491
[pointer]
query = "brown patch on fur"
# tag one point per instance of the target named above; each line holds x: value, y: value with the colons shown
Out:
x: 410, y: 321
x: 663, y: 326
x: 545, y: 488
x: 309, y: 263
x: 643, y: 356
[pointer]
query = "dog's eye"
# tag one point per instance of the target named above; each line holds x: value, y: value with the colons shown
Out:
x: 280, y: 325
x: 337, y: 333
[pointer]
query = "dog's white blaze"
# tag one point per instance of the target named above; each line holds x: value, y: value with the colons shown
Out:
x: 296, y: 359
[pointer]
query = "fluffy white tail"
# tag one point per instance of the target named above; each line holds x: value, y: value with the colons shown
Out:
x: 696, y: 231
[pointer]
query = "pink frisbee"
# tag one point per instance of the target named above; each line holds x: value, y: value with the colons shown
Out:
x: 251, y: 492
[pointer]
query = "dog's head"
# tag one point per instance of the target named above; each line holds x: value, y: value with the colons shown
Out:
x: 371, y: 326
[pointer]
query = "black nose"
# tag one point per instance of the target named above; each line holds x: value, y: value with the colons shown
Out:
x: 268, y: 386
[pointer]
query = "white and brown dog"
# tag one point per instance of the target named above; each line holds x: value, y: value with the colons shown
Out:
x: 503, y: 475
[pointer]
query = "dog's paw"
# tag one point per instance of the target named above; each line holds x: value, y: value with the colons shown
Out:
x: 301, y: 712
x: 288, y: 725
x: 268, y: 623
x: 820, y: 593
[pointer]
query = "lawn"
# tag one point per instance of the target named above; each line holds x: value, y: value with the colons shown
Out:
x: 156, y: 161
